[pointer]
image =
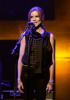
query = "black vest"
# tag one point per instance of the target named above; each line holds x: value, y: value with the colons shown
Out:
x: 38, y: 51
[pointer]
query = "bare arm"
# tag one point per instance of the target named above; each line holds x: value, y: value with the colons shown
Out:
x: 51, y: 69
x: 20, y: 64
x: 52, y: 66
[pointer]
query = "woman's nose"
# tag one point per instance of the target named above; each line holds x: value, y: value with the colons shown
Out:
x: 34, y: 19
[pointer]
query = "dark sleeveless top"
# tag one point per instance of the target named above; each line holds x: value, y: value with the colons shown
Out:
x: 38, y: 51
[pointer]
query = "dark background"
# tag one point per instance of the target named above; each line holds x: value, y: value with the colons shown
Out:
x: 18, y: 9
x: 8, y: 62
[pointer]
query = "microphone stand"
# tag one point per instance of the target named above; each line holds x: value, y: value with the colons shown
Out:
x: 13, y: 51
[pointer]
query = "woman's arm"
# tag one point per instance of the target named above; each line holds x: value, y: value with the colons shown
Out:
x: 51, y: 68
x: 20, y: 64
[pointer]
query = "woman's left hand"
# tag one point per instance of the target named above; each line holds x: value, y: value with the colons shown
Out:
x: 49, y: 88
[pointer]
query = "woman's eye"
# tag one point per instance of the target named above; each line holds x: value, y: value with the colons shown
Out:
x: 37, y: 16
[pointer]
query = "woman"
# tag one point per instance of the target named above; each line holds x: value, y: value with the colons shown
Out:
x: 36, y: 58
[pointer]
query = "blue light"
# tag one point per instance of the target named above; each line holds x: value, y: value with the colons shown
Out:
x: 1, y: 96
x: 34, y: 91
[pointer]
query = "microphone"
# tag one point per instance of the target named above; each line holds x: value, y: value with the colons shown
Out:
x: 30, y: 23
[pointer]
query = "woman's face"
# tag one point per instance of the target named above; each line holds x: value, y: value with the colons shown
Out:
x: 34, y: 16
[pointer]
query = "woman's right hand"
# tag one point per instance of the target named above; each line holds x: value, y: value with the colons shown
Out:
x: 20, y: 87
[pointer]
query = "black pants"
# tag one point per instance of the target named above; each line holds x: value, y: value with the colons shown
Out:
x: 34, y: 86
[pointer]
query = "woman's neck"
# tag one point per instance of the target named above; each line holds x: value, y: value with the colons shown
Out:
x: 40, y: 30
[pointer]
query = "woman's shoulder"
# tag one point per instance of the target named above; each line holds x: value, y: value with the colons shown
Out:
x: 51, y: 37
x: 51, y: 34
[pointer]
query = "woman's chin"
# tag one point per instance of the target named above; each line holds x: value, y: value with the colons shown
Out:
x: 36, y: 25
